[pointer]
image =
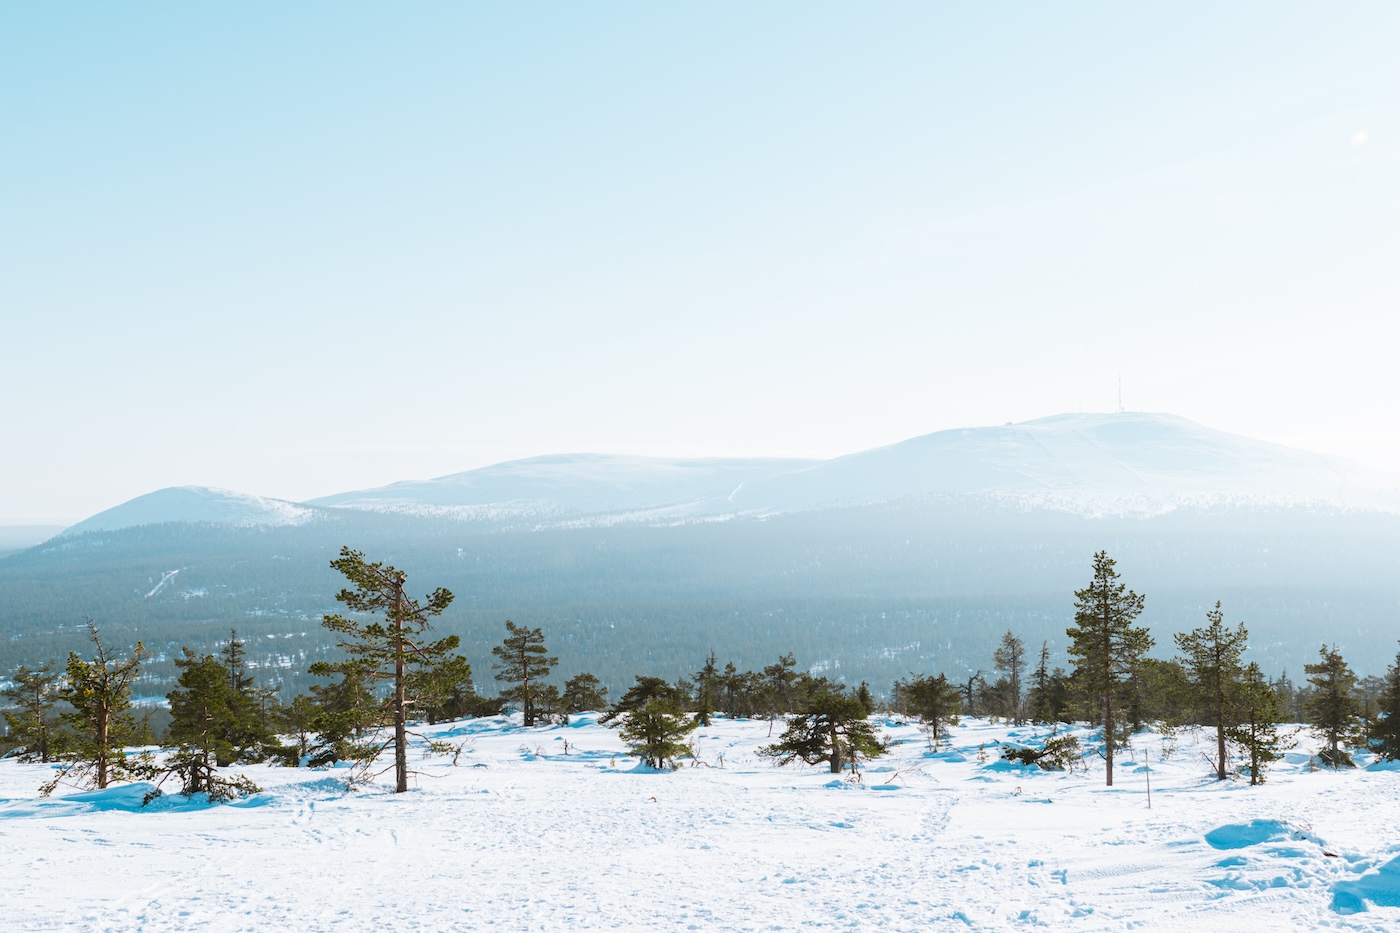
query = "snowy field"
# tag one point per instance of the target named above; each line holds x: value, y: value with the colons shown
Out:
x: 519, y: 835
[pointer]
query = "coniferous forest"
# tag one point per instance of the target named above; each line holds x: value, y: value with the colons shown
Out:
x: 393, y: 671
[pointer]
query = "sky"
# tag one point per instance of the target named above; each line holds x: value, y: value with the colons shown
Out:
x: 296, y: 249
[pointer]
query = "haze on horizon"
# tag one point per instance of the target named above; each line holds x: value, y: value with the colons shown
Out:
x: 299, y: 251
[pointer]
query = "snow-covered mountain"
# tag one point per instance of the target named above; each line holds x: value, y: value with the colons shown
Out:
x: 1123, y: 463
x: 1119, y: 463
x: 574, y: 484
x: 196, y: 504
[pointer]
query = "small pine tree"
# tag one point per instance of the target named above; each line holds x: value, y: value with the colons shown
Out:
x: 525, y: 663
x: 34, y: 693
x: 1332, y: 709
x: 1256, y: 727
x: 655, y: 731
x: 99, y: 692
x: 1010, y: 657
x: 652, y: 719
x: 584, y: 692
x: 1386, y: 730
x: 1211, y: 654
x: 1039, y: 697
x: 205, y: 725
x: 863, y: 696
x: 831, y: 727
x: 933, y: 700
x: 1106, y: 645
x: 706, y: 684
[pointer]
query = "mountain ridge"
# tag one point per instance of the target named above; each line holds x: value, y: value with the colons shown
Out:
x: 1121, y: 463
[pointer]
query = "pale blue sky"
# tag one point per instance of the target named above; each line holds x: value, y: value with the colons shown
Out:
x: 297, y: 251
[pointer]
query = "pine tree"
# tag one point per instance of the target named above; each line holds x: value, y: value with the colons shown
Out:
x: 1332, y: 708
x: 1255, y: 729
x: 99, y: 692
x: 655, y: 731
x: 1387, y: 728
x: 525, y: 663
x: 394, y: 650
x: 1010, y: 657
x: 347, y: 713
x: 1211, y: 654
x: 1105, y: 644
x: 706, y: 684
x: 831, y: 727
x: 653, y: 721
x: 205, y: 724
x: 254, y: 711
x: 1039, y: 696
x: 780, y: 680
x: 584, y: 692
x: 34, y: 693
x: 933, y: 700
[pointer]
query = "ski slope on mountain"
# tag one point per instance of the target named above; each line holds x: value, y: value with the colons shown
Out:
x: 556, y: 828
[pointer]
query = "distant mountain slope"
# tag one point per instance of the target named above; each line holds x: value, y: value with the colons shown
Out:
x: 575, y: 484
x: 1121, y: 462
x: 196, y: 504
x: 1090, y: 464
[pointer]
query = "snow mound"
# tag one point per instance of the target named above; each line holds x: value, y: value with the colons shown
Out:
x: 1380, y: 887
x: 1243, y: 835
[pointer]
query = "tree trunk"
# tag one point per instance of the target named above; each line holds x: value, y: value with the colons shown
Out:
x: 400, y: 700
x: 1219, y: 727
x: 102, y: 717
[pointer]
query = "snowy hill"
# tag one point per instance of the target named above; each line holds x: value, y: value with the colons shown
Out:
x: 574, y: 484
x: 1120, y: 463
x: 196, y: 504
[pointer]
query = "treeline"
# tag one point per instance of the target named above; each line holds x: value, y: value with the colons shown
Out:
x: 871, y: 593
x: 394, y: 671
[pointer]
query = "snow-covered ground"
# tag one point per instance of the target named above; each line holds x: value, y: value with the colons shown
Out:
x: 520, y: 835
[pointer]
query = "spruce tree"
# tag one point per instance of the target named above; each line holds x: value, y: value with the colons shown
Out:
x: 1332, y: 709
x: 1211, y: 655
x: 1255, y: 728
x: 1105, y: 643
x: 34, y: 693
x: 1387, y: 728
x: 1010, y: 657
x: 832, y: 727
x: 525, y: 663
x: 396, y: 650
x: 99, y: 692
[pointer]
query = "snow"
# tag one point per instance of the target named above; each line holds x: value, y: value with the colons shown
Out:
x: 1119, y: 463
x: 196, y: 504
x: 521, y: 835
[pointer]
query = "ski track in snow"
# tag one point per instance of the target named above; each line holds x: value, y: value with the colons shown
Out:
x: 521, y: 836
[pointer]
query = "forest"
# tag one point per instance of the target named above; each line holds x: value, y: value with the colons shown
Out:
x: 394, y: 670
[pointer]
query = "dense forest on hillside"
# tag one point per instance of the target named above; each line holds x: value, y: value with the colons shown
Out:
x: 867, y: 593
